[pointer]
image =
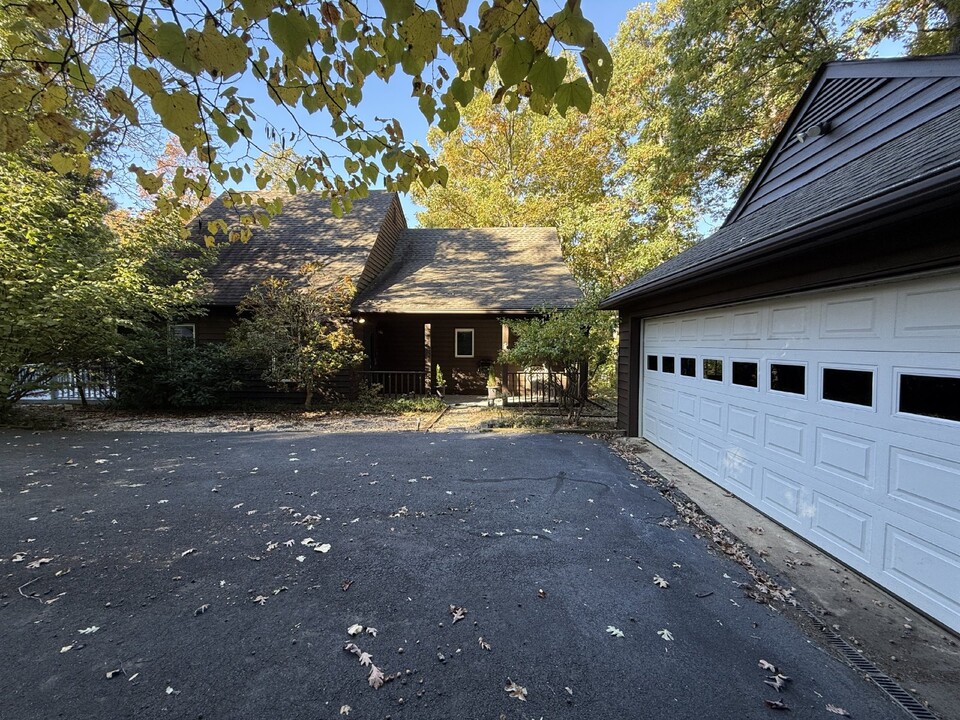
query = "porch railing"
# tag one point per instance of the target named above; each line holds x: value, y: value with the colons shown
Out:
x: 97, y: 385
x: 540, y: 387
x: 396, y: 383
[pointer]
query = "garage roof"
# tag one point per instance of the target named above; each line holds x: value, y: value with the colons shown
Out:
x: 883, y: 155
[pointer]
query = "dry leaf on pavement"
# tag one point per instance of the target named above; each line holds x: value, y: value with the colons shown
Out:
x: 614, y: 631
x: 376, y: 677
x: 837, y: 710
x: 261, y: 599
x: 457, y: 612
x: 515, y: 691
x: 366, y: 659
x: 665, y: 634
x: 484, y: 645
x: 345, y: 709
x: 776, y: 704
x: 354, y: 629
x: 764, y: 665
x: 660, y: 582
x: 372, y: 631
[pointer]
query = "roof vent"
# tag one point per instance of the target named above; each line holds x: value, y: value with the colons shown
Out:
x: 820, y: 128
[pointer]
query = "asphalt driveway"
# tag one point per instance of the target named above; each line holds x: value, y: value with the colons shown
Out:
x: 199, y: 559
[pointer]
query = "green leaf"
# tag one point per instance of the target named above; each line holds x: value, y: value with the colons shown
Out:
x: 428, y: 107
x: 397, y: 10
x: 462, y: 91
x: 117, y: 103
x: 576, y: 94
x: 148, y: 81
x: 452, y: 11
x: 547, y: 74
x: 514, y: 62
x: 290, y: 31
x: 598, y: 64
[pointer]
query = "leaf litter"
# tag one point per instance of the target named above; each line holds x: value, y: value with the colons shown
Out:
x: 515, y: 691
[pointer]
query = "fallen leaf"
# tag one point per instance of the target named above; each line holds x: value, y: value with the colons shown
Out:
x: 660, y: 582
x: 38, y: 562
x: 776, y: 704
x: 541, y: 593
x: 262, y: 599
x: 614, y: 631
x: 345, y: 585
x: 202, y: 609
x: 776, y: 682
x: 354, y: 630
x: 770, y: 667
x: 515, y: 691
x: 66, y: 648
x: 837, y: 710
x: 345, y: 709
x: 308, y: 542
x: 665, y: 634
x: 280, y: 590
x: 483, y: 643
x: 88, y: 631
x: 366, y: 659
x: 188, y: 552
x: 351, y: 648
x: 171, y: 691
x: 289, y: 543
x: 113, y: 673
x: 133, y: 677
x: 301, y: 558
x: 569, y: 691
x: 372, y: 631
x: 376, y: 677
x: 19, y: 557
x: 457, y: 612
x: 322, y: 548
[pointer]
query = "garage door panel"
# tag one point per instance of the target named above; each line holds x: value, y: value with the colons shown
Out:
x: 925, y: 572
x: 840, y: 465
x: 842, y: 525
x: 926, y: 483
x: 849, y: 457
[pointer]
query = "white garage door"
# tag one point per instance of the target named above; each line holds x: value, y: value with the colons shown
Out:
x: 835, y: 413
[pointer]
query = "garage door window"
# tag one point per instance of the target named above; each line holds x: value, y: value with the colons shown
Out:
x: 853, y: 387
x: 935, y: 396
x: 688, y: 367
x: 713, y: 369
x: 788, y: 378
x: 667, y: 364
x: 651, y: 362
x: 745, y: 374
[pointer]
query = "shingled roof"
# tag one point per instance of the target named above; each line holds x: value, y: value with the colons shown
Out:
x: 490, y: 270
x: 306, y: 231
x: 921, y: 154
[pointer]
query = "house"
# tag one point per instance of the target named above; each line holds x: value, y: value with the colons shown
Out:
x: 806, y: 355
x: 425, y: 297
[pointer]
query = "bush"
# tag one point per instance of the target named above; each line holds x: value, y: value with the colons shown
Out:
x: 179, y: 375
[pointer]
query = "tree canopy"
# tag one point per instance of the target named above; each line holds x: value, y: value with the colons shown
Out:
x: 82, y: 72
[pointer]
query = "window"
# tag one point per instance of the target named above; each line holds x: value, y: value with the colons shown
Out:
x: 788, y: 378
x: 185, y: 331
x: 651, y: 362
x: 713, y: 369
x: 854, y: 387
x: 745, y: 373
x: 934, y: 396
x: 688, y: 367
x: 667, y: 364
x: 463, y: 343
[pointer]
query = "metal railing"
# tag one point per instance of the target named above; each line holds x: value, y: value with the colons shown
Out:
x: 396, y: 383
x: 540, y: 387
x: 98, y: 385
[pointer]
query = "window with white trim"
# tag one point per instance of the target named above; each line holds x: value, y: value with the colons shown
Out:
x: 185, y: 331
x: 463, y: 343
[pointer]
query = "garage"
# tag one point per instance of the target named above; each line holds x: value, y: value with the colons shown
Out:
x: 805, y: 356
x: 835, y: 413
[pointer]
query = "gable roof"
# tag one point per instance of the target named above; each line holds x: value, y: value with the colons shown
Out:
x: 489, y: 270
x: 864, y: 183
x: 306, y: 231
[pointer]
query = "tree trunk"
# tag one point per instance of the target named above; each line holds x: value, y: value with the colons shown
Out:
x: 309, y: 401
x: 81, y: 390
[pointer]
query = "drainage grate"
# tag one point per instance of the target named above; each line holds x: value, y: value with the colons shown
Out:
x: 883, y: 681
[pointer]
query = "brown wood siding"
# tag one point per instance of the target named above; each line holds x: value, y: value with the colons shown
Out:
x: 628, y: 373
x: 381, y: 254
x: 861, y: 120
x: 213, y: 326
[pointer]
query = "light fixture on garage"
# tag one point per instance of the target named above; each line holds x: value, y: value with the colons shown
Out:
x: 816, y: 130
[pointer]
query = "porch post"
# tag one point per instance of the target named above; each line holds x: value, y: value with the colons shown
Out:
x: 427, y: 360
